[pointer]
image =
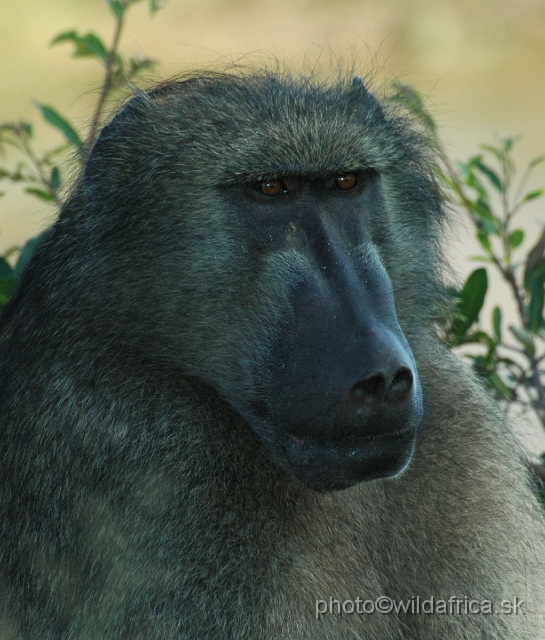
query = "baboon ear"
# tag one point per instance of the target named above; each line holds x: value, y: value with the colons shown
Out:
x: 123, y: 128
x: 372, y: 105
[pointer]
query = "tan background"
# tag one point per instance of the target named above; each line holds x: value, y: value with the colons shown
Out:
x: 481, y: 64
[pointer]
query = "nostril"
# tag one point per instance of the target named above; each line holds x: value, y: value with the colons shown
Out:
x: 372, y: 389
x: 401, y: 385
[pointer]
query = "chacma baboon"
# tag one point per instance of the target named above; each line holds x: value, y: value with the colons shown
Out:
x: 225, y: 413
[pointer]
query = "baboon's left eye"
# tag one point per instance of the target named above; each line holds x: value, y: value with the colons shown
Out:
x: 270, y: 187
x: 346, y: 181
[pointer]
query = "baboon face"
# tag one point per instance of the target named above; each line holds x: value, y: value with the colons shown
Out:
x: 339, y: 397
x: 276, y: 289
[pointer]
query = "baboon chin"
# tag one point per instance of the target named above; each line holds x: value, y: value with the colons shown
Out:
x: 231, y: 321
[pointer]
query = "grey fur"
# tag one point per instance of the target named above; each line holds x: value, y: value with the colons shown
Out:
x: 135, y: 501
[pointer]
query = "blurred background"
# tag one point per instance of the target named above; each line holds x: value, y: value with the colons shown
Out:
x: 480, y: 65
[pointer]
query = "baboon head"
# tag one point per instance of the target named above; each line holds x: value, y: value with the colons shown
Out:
x: 287, y: 222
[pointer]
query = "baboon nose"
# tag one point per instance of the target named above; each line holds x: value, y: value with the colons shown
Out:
x: 377, y: 389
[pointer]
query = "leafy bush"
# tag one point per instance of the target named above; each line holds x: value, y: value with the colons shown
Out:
x: 510, y: 361
x: 42, y: 174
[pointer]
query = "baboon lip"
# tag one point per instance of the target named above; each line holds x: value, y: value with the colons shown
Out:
x: 308, y: 440
x: 338, y: 463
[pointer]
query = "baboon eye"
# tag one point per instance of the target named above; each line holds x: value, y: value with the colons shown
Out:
x: 271, y: 187
x: 346, y: 181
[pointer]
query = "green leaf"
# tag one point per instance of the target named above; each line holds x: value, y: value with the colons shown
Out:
x: 65, y: 36
x: 61, y: 124
x: 6, y: 272
x: 7, y: 287
x: 499, y: 385
x: 137, y: 66
x: 537, y: 298
x: 407, y: 96
x: 491, y: 175
x: 473, y: 294
x: 93, y: 44
x: 496, y: 323
x: 19, y: 173
x: 509, y: 142
x: 516, y: 238
x: 55, y: 180
x: 40, y: 194
x: 535, y: 256
x: 484, y: 224
x: 493, y: 150
x: 532, y: 195
x: 155, y: 5
x: 524, y: 338
x: 28, y: 251
x: 533, y: 163
x: 484, y: 217
x: 20, y: 129
x: 89, y: 45
x: 481, y: 259
x: 472, y: 180
x: 483, y: 238
x: 118, y: 8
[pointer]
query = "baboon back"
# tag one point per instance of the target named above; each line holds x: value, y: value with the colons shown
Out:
x: 225, y: 413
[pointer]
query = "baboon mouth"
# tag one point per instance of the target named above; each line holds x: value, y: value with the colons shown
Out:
x: 337, y: 463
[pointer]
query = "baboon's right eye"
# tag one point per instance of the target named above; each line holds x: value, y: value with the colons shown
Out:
x: 346, y: 181
x: 270, y: 187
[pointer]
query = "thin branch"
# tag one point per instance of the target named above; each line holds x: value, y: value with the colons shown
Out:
x: 38, y: 164
x: 106, y: 85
